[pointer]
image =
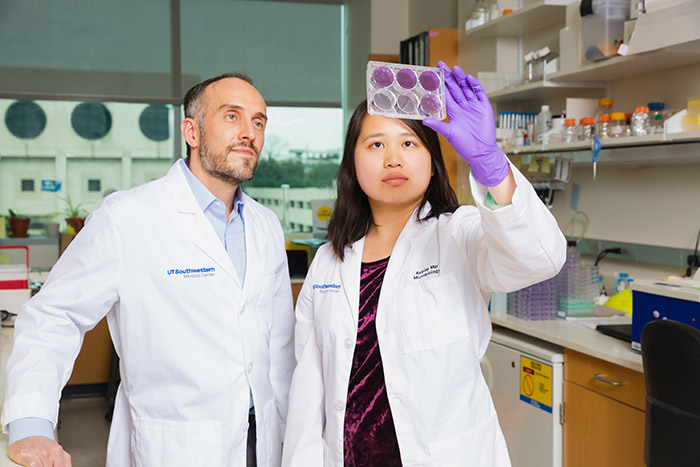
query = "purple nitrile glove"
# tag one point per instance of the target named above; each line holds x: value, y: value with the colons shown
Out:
x: 471, y: 130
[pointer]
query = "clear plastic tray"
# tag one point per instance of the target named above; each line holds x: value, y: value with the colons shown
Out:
x: 405, y: 91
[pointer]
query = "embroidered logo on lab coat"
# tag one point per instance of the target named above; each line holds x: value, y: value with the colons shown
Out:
x: 427, y: 271
x: 326, y: 288
x: 191, y: 273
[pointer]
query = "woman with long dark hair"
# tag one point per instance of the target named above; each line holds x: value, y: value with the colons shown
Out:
x: 392, y: 318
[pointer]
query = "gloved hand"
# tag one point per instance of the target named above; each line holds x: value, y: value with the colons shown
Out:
x: 471, y: 130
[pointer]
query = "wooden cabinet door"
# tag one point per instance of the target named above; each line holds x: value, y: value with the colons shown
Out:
x: 600, y: 431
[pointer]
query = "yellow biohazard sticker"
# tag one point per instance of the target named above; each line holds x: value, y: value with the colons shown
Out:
x: 536, y: 383
x: 324, y: 213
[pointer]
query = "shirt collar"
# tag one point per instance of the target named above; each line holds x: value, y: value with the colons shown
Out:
x: 203, y: 196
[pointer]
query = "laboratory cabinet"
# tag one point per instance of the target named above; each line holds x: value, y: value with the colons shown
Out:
x: 603, y: 413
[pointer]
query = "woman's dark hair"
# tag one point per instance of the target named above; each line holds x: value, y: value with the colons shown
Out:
x: 352, y: 216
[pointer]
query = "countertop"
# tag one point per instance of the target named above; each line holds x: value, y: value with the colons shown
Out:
x: 580, y: 339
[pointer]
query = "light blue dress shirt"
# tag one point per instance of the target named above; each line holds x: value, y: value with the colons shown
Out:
x: 231, y: 234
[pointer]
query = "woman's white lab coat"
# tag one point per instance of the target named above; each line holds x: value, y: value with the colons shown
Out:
x: 432, y: 326
x: 190, y: 339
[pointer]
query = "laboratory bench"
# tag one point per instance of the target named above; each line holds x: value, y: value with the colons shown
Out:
x: 604, y: 392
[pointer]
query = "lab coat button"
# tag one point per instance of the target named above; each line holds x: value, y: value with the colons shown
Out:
x: 339, y: 405
x: 348, y: 342
x: 250, y: 367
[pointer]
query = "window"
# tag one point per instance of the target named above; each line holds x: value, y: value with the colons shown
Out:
x: 27, y: 185
x: 94, y: 185
x: 118, y: 125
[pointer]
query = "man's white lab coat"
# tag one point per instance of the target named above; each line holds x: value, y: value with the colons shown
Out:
x: 191, y: 340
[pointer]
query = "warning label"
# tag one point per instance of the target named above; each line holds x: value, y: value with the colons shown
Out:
x: 536, y: 383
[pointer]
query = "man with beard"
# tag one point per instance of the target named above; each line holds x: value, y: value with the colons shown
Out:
x: 192, y: 276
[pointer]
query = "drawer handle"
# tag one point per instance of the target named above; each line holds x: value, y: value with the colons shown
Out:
x: 600, y: 378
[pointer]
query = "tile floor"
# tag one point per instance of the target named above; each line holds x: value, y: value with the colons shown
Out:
x: 84, y: 430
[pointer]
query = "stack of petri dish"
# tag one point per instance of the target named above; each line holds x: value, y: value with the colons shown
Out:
x: 578, y: 286
x: 534, y: 303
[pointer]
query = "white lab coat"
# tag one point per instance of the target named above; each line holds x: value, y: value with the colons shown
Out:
x: 191, y: 344
x: 432, y: 327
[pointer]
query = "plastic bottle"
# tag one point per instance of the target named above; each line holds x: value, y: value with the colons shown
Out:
x: 544, y: 121
x: 603, y: 127
x: 605, y: 106
x: 528, y: 67
x: 479, y: 14
x: 640, y: 124
x: 656, y: 117
x: 587, y: 130
x: 570, y: 130
x: 494, y: 12
x: 618, y: 125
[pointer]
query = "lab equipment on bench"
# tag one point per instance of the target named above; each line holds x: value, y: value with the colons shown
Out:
x: 652, y: 300
x: 405, y: 91
x: 525, y: 377
x: 14, y: 277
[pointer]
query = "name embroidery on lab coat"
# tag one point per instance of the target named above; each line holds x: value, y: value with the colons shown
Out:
x: 326, y: 288
x: 190, y: 273
x: 427, y: 271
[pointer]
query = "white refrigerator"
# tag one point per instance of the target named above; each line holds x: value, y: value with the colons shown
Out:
x: 525, y: 376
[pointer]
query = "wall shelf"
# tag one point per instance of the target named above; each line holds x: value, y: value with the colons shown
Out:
x: 630, y: 65
x: 539, y: 15
x: 540, y: 90
x: 636, y: 151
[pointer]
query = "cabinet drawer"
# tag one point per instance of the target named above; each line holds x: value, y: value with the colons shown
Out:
x: 623, y: 384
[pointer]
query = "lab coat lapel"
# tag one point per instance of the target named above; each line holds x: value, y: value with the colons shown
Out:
x: 194, y: 224
x: 350, y: 271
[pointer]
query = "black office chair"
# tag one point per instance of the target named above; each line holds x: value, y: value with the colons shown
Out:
x: 671, y: 356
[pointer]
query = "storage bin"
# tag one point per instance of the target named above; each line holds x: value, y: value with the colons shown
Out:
x: 602, y: 27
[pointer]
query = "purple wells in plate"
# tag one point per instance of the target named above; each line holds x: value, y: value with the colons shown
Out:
x: 383, y: 76
x: 430, y: 104
x: 406, y: 78
x: 429, y: 80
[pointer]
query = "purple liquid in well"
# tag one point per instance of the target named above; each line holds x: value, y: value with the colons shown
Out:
x: 407, y: 102
x: 383, y: 76
x: 406, y: 78
x: 429, y: 80
x: 430, y: 104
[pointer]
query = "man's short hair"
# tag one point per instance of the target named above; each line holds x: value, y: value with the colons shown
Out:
x: 193, y: 102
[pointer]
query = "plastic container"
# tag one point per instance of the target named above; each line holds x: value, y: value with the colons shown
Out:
x: 405, y: 91
x: 479, y: 13
x: 640, y: 124
x: 694, y: 105
x: 603, y: 27
x: 529, y: 67
x: 603, y: 126
x: 618, y: 125
x: 494, y: 12
x: 656, y: 117
x: 570, y: 130
x: 544, y: 120
x: 605, y: 106
x: 587, y: 128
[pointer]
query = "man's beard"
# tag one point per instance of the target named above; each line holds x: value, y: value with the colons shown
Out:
x: 217, y: 164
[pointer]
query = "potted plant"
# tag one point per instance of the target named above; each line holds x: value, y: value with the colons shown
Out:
x: 75, y: 214
x: 19, y: 224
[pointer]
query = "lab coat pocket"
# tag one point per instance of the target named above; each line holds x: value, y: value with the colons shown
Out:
x: 167, y: 443
x: 432, y: 314
x: 482, y: 445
